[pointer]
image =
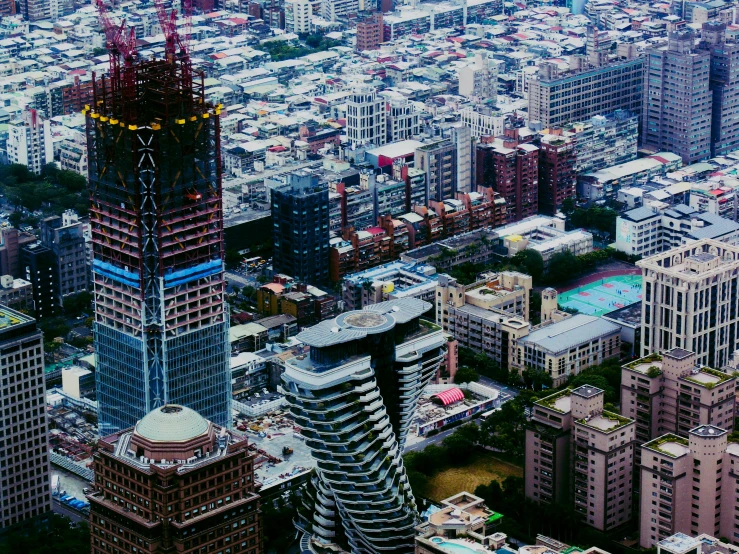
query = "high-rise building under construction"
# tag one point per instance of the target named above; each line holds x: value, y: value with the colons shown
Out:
x: 161, y: 326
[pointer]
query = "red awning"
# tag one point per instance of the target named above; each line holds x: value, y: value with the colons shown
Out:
x: 450, y: 396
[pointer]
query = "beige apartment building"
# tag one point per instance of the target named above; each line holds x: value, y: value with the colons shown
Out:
x: 691, y: 301
x: 565, y: 348
x: 669, y: 393
x: 581, y: 455
x: 488, y: 315
x: 688, y: 486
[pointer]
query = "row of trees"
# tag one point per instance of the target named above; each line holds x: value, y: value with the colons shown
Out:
x: 474, y: 364
x: 280, y: 50
x: 53, y: 191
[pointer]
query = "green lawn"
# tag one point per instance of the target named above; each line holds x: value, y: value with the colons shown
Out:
x: 482, y: 469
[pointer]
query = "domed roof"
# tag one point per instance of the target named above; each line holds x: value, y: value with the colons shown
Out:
x: 172, y: 423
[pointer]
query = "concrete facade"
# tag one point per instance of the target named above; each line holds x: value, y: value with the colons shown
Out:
x: 690, y: 301
x: 581, y: 455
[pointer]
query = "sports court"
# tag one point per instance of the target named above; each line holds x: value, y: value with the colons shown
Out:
x: 604, y: 295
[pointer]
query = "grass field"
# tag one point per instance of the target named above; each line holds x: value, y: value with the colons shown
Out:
x: 482, y: 469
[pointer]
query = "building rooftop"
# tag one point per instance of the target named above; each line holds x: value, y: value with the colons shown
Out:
x: 708, y: 431
x: 679, y: 542
x: 172, y: 423
x: 559, y: 401
x: 670, y: 445
x: 587, y: 391
x: 357, y: 324
x: 606, y: 421
x: 627, y: 316
x: 571, y: 332
x: 10, y: 318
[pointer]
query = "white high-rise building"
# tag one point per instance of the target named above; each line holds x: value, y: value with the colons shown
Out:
x: 332, y: 10
x: 480, y: 78
x: 29, y: 142
x: 402, y: 120
x: 297, y: 16
x: 366, y: 117
x: 689, y: 301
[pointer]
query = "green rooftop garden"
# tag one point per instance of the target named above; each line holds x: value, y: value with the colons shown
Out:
x: 612, y: 416
x: 645, y: 360
x: 720, y: 375
x: 550, y: 401
x: 656, y: 443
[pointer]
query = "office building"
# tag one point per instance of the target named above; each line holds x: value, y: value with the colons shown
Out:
x: 606, y: 183
x: 438, y: 160
x: 605, y: 140
x: 12, y: 242
x: 461, y: 135
x: 370, y: 32
x: 483, y: 120
x: 676, y: 115
x: 557, y: 177
x: 687, y: 487
x: 300, y: 219
x: 724, y: 86
x: 511, y: 170
x: 298, y: 14
x: 16, y: 294
x: 63, y: 236
x: 387, y: 282
x: 332, y: 10
x: 174, y: 482
x: 479, y: 79
x: 582, y: 456
x: 669, y: 393
x: 366, y: 368
x: 689, y: 300
x: 366, y: 117
x: 7, y: 8
x: 29, y: 141
x: 161, y: 327
x: 40, y: 269
x: 402, y: 119
x: 557, y: 98
x: 647, y: 231
x: 566, y: 348
x: 24, y: 489
x: 36, y: 10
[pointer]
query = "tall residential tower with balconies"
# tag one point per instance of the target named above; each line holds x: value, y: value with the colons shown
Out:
x: 354, y: 396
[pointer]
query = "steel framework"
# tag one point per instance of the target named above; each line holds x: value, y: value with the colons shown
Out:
x: 157, y: 233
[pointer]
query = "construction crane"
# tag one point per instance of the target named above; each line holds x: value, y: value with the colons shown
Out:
x: 173, y: 41
x: 168, y: 22
x: 121, y: 43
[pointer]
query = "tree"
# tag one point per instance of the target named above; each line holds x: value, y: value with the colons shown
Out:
x: 232, y: 259
x: 537, y: 379
x: 77, y: 304
x: 594, y: 380
x: 62, y: 536
x: 98, y: 51
x: 563, y: 267
x: 465, y: 375
x: 568, y: 206
x: 460, y: 444
x: 15, y: 219
x: 529, y: 262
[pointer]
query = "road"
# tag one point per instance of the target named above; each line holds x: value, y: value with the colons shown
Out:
x: 241, y: 280
x: 505, y: 390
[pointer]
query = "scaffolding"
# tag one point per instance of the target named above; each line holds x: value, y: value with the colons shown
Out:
x: 157, y: 234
